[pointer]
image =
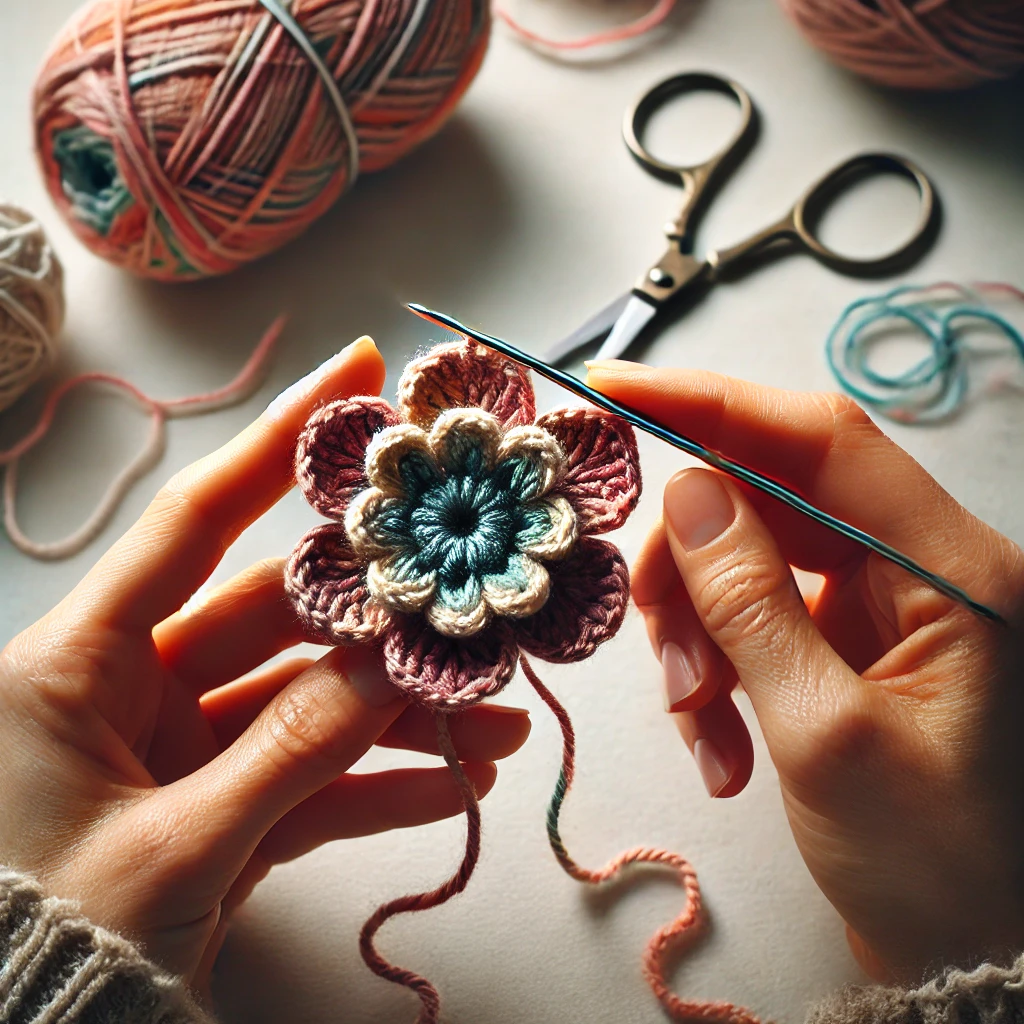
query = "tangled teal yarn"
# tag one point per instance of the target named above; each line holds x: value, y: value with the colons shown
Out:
x: 933, y: 388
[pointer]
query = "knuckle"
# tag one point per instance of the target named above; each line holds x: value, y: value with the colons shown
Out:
x: 852, y: 427
x: 744, y: 599
x: 1007, y: 559
x: 303, y: 729
x: 176, y: 509
x: 266, y: 572
x: 843, y: 409
x: 174, y: 502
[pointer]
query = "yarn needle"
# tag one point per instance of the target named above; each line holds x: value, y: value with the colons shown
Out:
x: 712, y: 458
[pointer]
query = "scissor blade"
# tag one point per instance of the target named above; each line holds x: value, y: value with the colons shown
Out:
x: 593, y: 329
x: 633, y: 319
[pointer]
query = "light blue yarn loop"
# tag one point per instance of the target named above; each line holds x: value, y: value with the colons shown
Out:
x: 933, y: 388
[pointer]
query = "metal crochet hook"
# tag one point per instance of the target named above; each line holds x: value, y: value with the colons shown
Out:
x: 734, y: 469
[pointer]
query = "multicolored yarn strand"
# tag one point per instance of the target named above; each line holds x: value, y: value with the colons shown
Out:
x: 666, y: 941
x: 181, y: 140
x: 463, y: 540
x: 464, y: 533
x: 429, y: 998
x: 917, y: 44
x: 641, y: 26
x: 158, y: 410
x: 945, y: 315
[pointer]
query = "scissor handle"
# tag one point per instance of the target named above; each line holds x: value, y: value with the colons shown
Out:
x: 800, y: 224
x: 697, y: 179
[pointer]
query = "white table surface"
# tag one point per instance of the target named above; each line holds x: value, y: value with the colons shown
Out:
x: 525, y: 216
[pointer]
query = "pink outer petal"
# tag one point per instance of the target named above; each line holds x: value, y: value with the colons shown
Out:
x: 330, y: 460
x: 444, y: 673
x: 602, y: 479
x: 462, y: 374
x: 327, y: 585
x: 589, y: 597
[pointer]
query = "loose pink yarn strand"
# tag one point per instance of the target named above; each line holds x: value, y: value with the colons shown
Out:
x: 647, y: 23
x: 429, y: 998
x: 682, y: 931
x: 159, y: 410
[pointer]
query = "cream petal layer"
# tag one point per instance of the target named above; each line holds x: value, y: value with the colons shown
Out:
x: 457, y: 435
x: 561, y: 536
x: 395, y: 583
x: 521, y: 590
x: 458, y: 622
x: 540, y: 457
x: 366, y: 523
x: 386, y: 452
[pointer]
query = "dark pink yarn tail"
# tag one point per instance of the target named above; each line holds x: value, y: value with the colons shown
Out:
x: 429, y: 997
x: 684, y: 929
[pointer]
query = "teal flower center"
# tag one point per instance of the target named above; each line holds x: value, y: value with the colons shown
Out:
x: 464, y: 523
x: 456, y: 524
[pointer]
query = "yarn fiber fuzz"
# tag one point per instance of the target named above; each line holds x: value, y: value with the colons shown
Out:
x: 31, y: 303
x: 917, y: 44
x: 464, y: 531
x: 182, y: 139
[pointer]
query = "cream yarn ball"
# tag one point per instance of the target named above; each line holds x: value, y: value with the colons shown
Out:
x: 31, y: 302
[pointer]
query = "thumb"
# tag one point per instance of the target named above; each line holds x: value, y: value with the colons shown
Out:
x: 747, y: 600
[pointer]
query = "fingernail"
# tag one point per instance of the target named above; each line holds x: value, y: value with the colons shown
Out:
x: 711, y: 766
x: 364, y: 669
x: 504, y: 709
x: 698, y: 507
x: 680, y: 675
x: 298, y: 392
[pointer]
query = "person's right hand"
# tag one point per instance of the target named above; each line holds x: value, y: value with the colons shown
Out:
x: 895, y: 717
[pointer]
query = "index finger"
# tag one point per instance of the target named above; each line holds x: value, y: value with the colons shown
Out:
x: 161, y: 561
x: 822, y: 445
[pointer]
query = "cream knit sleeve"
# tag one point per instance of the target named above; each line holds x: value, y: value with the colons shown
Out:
x: 57, y: 968
x: 986, y: 995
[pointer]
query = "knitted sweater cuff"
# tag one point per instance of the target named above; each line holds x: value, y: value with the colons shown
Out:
x: 986, y: 995
x: 55, y: 966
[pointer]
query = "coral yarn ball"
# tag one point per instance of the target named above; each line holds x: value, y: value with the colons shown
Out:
x: 182, y: 139
x: 917, y: 44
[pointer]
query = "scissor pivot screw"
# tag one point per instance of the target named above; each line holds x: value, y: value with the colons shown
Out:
x: 661, y: 278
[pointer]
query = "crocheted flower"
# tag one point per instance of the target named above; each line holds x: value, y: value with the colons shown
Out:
x: 464, y: 531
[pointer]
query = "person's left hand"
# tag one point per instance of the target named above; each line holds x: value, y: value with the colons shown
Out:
x: 142, y: 777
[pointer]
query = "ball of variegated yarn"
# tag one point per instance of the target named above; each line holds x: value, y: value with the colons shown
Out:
x: 31, y: 302
x: 917, y: 44
x: 182, y: 139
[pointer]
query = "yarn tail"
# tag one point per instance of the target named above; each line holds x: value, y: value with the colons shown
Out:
x: 158, y: 410
x: 641, y: 26
x: 683, y: 930
x: 431, y: 1001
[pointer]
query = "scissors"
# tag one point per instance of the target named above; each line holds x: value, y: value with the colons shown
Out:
x: 679, y: 273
